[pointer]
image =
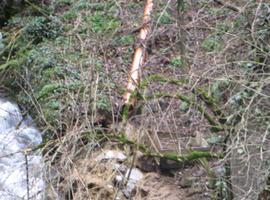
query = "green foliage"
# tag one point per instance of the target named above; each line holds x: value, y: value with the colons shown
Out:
x: 211, y: 44
x: 240, y: 21
x: 103, y: 23
x: 41, y: 27
x: 247, y: 66
x: 53, y: 88
x: 51, y: 110
x: 47, y: 89
x: 237, y: 99
x: 124, y: 40
x: 177, y: 62
x: 42, y: 57
x: 184, y: 106
x: 215, y: 139
x: 17, y: 21
x: 224, y: 27
x: 218, y: 88
x: 70, y: 14
x: 263, y: 22
x: 14, y: 63
x: 103, y: 103
x: 216, y: 10
x: 135, y: 5
x: 54, y: 104
x: 64, y: 2
x: 76, y: 6
x: 165, y: 18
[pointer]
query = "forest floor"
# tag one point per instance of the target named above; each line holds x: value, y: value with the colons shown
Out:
x: 71, y: 60
x: 171, y: 123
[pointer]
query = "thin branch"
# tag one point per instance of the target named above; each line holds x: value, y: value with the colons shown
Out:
x: 27, y: 176
x: 227, y: 5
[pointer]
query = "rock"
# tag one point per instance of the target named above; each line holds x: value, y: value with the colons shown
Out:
x: 16, y: 136
x: 135, y: 176
x: 111, y: 155
x: 187, y: 182
x: 166, y: 165
x: 119, y: 167
x: 146, y: 163
x: 118, y: 178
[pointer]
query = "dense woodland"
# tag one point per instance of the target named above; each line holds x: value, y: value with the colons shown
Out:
x: 142, y: 99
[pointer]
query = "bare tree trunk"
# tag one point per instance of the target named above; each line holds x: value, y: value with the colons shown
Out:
x: 139, y: 55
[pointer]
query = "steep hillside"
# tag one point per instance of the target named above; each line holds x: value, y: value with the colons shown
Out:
x: 200, y: 124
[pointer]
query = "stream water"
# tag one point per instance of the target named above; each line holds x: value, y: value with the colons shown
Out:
x: 21, y: 171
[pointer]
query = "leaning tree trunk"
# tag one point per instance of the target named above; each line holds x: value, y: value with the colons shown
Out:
x: 139, y: 56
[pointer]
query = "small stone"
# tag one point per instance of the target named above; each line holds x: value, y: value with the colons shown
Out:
x: 111, y: 155
x: 118, y: 179
x: 206, y: 194
x: 187, y: 182
x: 120, y: 167
x: 135, y: 176
x: 146, y: 163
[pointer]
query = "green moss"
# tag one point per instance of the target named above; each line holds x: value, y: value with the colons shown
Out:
x: 47, y: 89
x: 193, y: 155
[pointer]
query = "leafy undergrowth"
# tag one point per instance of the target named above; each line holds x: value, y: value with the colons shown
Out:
x: 205, y: 84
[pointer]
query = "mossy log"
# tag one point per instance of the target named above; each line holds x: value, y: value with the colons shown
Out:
x: 192, y: 155
x: 122, y: 139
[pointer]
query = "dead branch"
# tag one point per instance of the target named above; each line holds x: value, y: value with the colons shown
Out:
x: 227, y: 5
